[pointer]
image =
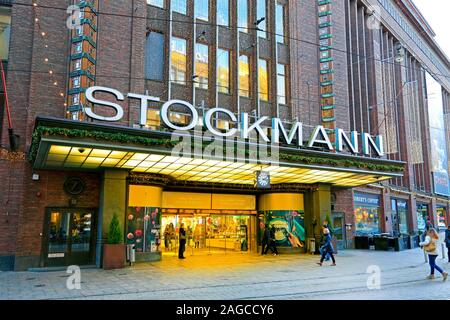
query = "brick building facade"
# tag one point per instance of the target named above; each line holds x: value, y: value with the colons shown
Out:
x: 329, y: 63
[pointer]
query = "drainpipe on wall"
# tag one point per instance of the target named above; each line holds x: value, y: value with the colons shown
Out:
x: 12, y: 136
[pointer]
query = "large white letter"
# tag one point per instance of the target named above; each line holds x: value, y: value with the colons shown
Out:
x: 165, y: 118
x: 325, y: 140
x: 209, y: 126
x: 144, y: 104
x: 377, y: 145
x: 90, y: 97
x: 245, y: 129
x: 297, y: 127
x: 342, y: 137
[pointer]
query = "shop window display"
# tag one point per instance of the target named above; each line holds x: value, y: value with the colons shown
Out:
x: 289, y: 227
x: 367, y: 214
x: 143, y: 229
x: 441, y: 217
x: 422, y: 216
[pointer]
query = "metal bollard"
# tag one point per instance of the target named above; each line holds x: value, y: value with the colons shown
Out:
x: 443, y: 250
x: 425, y: 256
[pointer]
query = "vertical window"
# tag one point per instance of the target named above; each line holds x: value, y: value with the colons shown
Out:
x: 279, y: 21
x: 242, y: 13
x: 223, y: 12
x: 156, y: 3
x: 179, y: 6
x: 78, y: 48
x: 223, y: 74
x: 281, y: 83
x: 263, y: 75
x: 76, y: 99
x: 178, y: 65
x: 77, y: 64
x: 261, y: 12
x: 79, y: 31
x: 202, y: 9
x: 5, y: 31
x: 154, y: 56
x: 76, y: 82
x: 201, y: 66
x: 244, y: 76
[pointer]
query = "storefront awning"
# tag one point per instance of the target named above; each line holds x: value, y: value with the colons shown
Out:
x: 72, y: 145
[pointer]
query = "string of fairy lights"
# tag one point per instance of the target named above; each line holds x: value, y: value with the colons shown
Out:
x: 44, y: 36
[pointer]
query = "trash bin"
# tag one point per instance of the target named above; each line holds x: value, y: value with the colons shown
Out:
x: 131, y: 253
x: 311, y: 245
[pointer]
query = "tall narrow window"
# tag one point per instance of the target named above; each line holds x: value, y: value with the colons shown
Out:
x: 154, y: 56
x: 279, y: 21
x: 178, y: 63
x: 244, y: 76
x: 223, y: 74
x: 281, y: 83
x: 242, y: 13
x: 202, y: 9
x: 223, y: 12
x: 263, y: 74
x: 156, y: 3
x: 201, y: 66
x: 179, y: 6
x: 261, y: 12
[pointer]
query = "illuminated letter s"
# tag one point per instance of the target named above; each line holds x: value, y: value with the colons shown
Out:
x: 90, y: 97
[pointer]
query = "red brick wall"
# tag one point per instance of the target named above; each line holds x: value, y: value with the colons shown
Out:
x: 48, y: 192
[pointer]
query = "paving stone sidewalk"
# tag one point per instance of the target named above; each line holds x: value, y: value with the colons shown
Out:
x: 242, y: 276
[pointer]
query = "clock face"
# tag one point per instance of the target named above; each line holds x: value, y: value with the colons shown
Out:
x: 74, y: 186
x: 263, y: 180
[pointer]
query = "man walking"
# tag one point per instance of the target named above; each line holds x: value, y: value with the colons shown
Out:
x: 265, y: 240
x: 182, y: 246
x: 447, y: 241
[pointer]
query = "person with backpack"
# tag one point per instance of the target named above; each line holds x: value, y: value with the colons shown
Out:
x: 265, y: 240
x: 272, y: 244
x: 430, y: 245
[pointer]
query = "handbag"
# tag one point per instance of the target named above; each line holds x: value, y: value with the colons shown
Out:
x: 430, y: 247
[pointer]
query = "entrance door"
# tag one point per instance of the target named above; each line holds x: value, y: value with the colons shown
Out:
x: 339, y: 230
x: 69, y: 237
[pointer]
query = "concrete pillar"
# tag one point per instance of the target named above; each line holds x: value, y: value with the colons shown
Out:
x: 386, y: 216
x: 113, y: 197
x: 320, y: 202
x: 433, y: 213
x: 412, y: 209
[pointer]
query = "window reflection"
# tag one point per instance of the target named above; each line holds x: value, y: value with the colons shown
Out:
x: 244, y: 76
x: 263, y: 75
x: 281, y: 83
x: 201, y: 66
x: 243, y: 15
x: 223, y: 12
x: 202, y: 9
x: 223, y: 74
x: 178, y: 65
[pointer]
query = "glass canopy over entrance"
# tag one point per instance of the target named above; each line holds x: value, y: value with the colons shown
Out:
x: 60, y: 151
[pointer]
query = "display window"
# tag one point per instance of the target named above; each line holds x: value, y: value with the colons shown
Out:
x: 367, y: 212
x: 400, y: 216
x: 441, y: 213
x: 289, y: 227
x: 143, y: 229
x: 422, y: 216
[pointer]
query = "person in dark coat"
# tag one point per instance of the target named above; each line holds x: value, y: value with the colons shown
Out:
x: 327, y: 248
x: 265, y: 240
x: 182, y: 246
x: 447, y: 241
x: 272, y: 244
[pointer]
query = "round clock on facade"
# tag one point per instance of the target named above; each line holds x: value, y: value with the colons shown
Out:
x: 263, y: 179
x: 74, y: 186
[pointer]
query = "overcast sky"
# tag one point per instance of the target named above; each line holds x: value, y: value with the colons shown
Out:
x: 436, y: 13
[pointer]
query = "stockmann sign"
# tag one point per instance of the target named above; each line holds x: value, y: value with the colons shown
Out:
x: 319, y: 136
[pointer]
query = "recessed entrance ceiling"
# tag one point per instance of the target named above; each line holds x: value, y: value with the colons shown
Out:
x: 61, y: 156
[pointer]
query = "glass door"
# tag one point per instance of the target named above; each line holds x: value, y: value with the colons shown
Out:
x: 339, y: 230
x: 69, y: 237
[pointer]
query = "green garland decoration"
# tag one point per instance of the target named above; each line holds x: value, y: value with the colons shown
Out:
x: 168, y: 143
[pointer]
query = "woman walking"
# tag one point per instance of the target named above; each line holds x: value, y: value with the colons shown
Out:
x: 327, y: 248
x: 430, y: 245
